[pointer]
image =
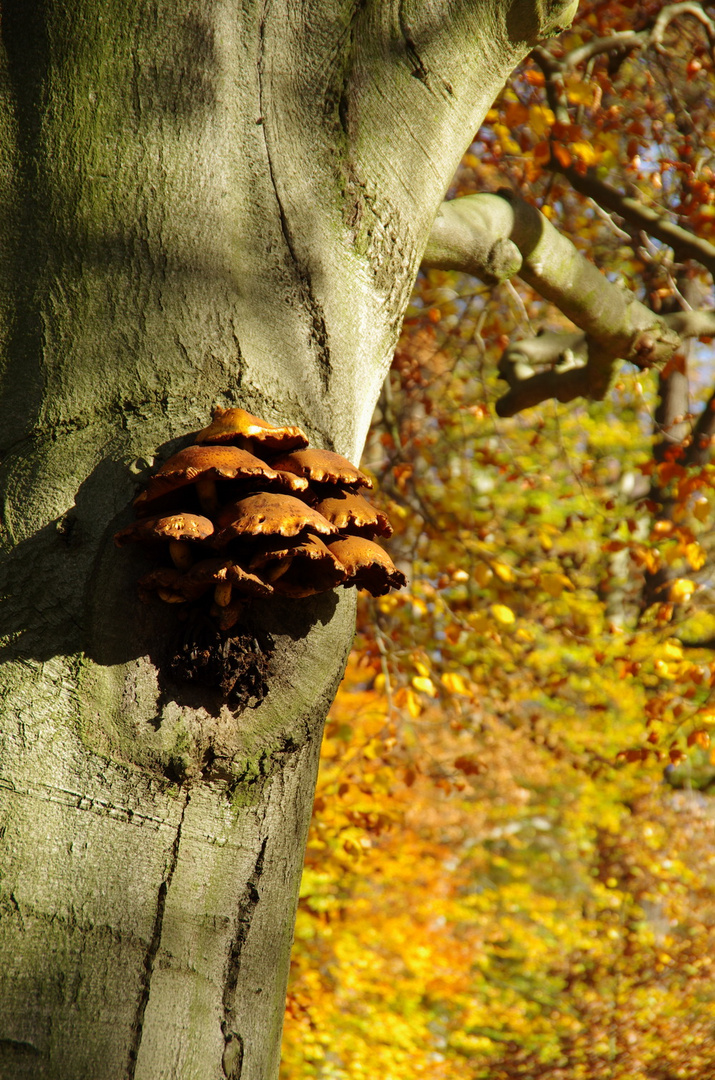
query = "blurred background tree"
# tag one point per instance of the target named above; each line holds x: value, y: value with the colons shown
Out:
x: 510, y: 871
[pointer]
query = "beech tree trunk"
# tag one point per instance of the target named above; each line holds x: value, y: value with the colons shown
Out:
x: 202, y: 201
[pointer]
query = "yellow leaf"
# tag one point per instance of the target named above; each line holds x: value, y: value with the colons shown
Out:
x: 482, y: 574
x: 503, y: 572
x: 373, y: 748
x: 413, y: 704
x: 584, y: 152
x: 701, y: 509
x: 424, y: 685
x: 329, y: 748
x: 509, y: 145
x: 581, y: 93
x: 666, y: 671
x: 681, y: 590
x: 373, y: 725
x: 671, y: 650
x: 695, y: 555
x: 648, y: 557
x: 502, y: 614
x: 672, y: 555
x: 456, y: 684
x: 421, y: 669
x: 554, y: 584
x: 540, y: 119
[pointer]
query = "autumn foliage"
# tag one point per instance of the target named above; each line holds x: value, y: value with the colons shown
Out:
x: 511, y: 867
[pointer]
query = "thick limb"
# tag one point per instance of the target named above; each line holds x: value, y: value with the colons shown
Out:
x: 495, y: 237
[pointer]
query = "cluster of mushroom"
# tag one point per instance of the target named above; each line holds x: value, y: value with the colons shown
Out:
x: 249, y: 511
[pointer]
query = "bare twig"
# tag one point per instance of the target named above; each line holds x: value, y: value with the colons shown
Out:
x: 684, y: 243
x: 627, y: 40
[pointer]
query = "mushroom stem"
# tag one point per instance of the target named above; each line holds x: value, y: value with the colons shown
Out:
x: 181, y: 555
x: 277, y: 569
x: 222, y: 594
x: 171, y: 597
x: 206, y: 491
x: 227, y: 616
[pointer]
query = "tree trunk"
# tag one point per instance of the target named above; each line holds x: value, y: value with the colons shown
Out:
x: 205, y: 202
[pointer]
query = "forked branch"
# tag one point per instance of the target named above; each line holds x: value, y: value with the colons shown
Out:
x: 495, y: 237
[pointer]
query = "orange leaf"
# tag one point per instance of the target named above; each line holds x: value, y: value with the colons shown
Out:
x: 561, y: 154
x: 470, y: 766
x: 515, y: 114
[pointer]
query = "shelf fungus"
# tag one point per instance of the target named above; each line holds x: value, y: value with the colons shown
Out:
x: 178, y: 529
x: 247, y: 513
x: 353, y: 514
x: 240, y: 428
x: 368, y: 565
x: 323, y: 467
x: 266, y: 514
x: 203, y: 466
x: 304, y: 568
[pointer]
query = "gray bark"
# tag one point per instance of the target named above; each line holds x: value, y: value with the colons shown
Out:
x: 206, y: 202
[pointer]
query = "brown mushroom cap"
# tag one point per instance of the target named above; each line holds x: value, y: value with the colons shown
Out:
x: 303, y: 569
x: 268, y: 514
x: 353, y: 514
x: 234, y: 425
x: 323, y: 467
x: 368, y: 565
x: 196, y: 463
x: 169, y: 527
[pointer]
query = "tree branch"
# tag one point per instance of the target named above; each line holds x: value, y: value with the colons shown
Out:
x: 569, y: 376
x: 626, y: 40
x: 685, y: 244
x: 496, y: 236
x: 700, y: 448
x: 486, y: 235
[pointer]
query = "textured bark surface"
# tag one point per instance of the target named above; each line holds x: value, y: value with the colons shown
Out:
x: 204, y: 202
